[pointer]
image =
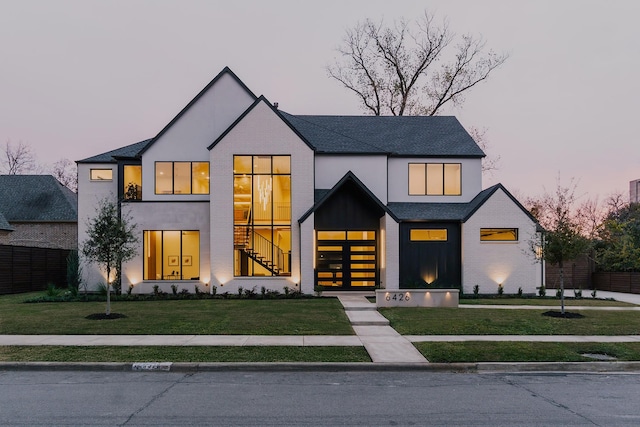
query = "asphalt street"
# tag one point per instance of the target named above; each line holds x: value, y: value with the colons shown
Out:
x: 249, y: 398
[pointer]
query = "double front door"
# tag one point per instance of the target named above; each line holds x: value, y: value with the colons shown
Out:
x: 346, y: 259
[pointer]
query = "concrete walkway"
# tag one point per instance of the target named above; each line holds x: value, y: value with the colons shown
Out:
x: 381, y: 341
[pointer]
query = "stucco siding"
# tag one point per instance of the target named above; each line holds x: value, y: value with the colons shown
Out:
x: 371, y: 170
x: 488, y: 264
x: 390, y: 253
x: 399, y: 180
x: 307, y: 255
x: 261, y: 132
x: 89, y: 194
x: 166, y: 216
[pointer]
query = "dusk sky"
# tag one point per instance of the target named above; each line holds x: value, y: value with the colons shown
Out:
x: 82, y: 77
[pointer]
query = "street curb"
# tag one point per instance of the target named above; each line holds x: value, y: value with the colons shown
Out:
x: 186, y: 367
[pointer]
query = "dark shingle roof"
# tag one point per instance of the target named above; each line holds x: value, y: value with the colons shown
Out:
x: 129, y: 151
x: 407, y: 211
x: 435, y: 136
x: 36, y: 198
x: 4, y: 224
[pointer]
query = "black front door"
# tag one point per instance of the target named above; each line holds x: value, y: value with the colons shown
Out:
x: 347, y: 260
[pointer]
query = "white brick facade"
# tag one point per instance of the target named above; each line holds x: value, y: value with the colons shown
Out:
x: 261, y: 132
x: 488, y: 264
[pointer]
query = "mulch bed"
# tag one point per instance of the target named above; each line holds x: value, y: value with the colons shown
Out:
x: 103, y: 316
x: 566, y: 315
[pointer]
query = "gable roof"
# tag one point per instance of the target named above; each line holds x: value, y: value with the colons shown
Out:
x: 36, y: 198
x: 129, y: 151
x: 321, y: 196
x: 259, y: 100
x: 431, y: 136
x: 407, y: 211
x: 226, y: 70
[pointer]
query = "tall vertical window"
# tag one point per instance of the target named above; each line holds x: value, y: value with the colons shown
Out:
x: 435, y: 179
x: 262, y: 215
x: 171, y: 255
x: 132, y: 182
x: 182, y: 177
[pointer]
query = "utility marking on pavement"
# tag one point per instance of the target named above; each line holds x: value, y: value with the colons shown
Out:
x: 151, y: 366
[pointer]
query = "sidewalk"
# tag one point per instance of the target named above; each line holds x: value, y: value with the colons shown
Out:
x: 382, y: 342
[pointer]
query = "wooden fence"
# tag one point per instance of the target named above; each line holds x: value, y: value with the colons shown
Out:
x: 628, y: 282
x: 26, y: 269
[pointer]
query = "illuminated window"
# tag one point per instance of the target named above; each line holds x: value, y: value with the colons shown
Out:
x: 262, y: 215
x: 428, y: 235
x: 435, y: 179
x: 499, y: 234
x: 182, y: 177
x: 171, y: 255
x: 132, y: 182
x: 101, y: 174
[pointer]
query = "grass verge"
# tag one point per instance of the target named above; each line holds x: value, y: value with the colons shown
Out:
x: 318, y: 316
x: 460, y: 321
x: 480, y: 351
x: 182, y: 354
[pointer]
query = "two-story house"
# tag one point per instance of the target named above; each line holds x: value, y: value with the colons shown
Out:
x: 236, y: 193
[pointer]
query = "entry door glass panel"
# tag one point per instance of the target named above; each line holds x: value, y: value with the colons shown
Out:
x: 346, y: 259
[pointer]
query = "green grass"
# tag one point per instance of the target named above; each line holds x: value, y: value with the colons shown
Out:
x: 319, y: 316
x: 476, y: 351
x: 464, y: 321
x: 585, y: 302
x: 182, y: 354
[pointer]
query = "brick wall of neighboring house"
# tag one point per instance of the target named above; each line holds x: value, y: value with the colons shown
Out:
x: 60, y: 235
x: 577, y: 274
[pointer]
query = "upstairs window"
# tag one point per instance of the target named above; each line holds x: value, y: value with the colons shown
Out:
x: 182, y: 177
x: 498, y: 234
x: 101, y: 174
x: 435, y: 179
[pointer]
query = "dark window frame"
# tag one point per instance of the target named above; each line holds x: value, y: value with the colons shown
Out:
x: 173, y: 173
x: 426, y: 179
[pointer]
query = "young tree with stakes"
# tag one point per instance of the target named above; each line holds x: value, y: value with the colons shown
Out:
x: 563, y: 237
x: 111, y: 240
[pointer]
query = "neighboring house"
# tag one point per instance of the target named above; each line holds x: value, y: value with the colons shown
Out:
x: 235, y: 193
x: 38, y: 211
x: 634, y: 191
x: 5, y: 230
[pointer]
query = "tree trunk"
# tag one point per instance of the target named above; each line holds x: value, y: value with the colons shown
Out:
x: 108, y: 309
x: 561, y: 287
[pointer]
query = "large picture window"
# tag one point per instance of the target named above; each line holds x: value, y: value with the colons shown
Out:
x: 182, y: 177
x: 435, y: 179
x: 262, y: 215
x: 171, y: 255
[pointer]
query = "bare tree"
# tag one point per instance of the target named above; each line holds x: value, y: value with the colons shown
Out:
x: 65, y: 171
x: 406, y: 69
x: 17, y: 160
x: 489, y: 163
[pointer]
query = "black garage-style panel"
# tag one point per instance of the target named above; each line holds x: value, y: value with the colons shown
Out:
x: 428, y: 260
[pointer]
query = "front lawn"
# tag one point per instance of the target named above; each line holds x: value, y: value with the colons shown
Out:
x: 464, y: 321
x: 318, y: 316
